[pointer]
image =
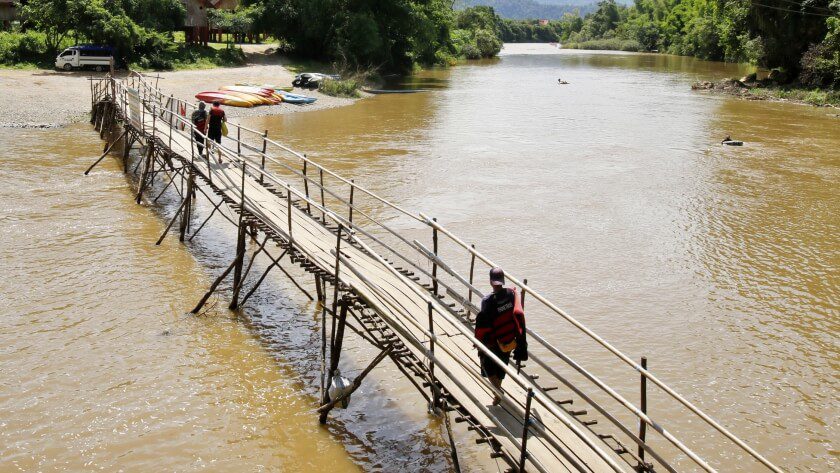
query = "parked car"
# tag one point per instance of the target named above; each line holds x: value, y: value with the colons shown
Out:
x: 85, y: 56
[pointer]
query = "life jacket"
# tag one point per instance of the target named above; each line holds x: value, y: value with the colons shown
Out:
x: 216, y: 115
x: 508, y: 322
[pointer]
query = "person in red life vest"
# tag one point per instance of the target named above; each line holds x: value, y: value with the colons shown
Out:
x: 217, y: 116
x: 199, y: 119
x: 500, y: 326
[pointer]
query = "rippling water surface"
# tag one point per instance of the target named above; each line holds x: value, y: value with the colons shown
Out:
x: 610, y: 194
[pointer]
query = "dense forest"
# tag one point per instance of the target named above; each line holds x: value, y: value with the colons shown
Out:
x: 799, y: 39
x: 392, y: 35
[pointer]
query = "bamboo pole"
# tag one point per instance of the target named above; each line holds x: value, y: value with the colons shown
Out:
x: 324, y: 409
x: 104, y: 153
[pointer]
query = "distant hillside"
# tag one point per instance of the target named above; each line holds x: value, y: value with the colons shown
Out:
x: 529, y: 9
x: 581, y: 2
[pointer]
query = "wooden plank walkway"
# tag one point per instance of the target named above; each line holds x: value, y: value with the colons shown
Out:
x: 399, y: 301
x: 411, y: 322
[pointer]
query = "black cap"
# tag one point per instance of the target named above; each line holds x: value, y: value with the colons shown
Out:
x: 497, y: 277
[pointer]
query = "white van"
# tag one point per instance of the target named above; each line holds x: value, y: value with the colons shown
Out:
x: 85, y: 56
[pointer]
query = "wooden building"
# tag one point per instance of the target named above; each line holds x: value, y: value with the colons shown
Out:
x: 196, y: 25
x: 8, y: 13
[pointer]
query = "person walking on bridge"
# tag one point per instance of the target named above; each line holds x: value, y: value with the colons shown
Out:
x: 214, y: 129
x: 500, y: 326
x: 199, y: 119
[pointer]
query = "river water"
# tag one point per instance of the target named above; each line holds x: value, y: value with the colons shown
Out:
x: 610, y: 194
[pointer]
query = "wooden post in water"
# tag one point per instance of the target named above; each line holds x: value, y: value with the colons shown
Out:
x: 642, y: 425
x: 240, y: 246
x: 129, y: 140
x: 325, y: 396
x: 335, y: 357
x: 453, y: 451
x: 318, y: 289
x: 147, y: 164
x: 190, y: 194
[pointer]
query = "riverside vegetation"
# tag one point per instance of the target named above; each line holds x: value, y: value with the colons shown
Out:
x: 396, y: 35
x: 799, y: 41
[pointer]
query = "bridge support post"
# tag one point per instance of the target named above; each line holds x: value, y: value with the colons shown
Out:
x: 240, y: 246
x: 187, y: 213
x: 325, y: 408
x: 326, y: 377
x: 216, y: 284
x: 453, y: 450
x: 237, y: 269
x: 335, y: 357
x: 129, y: 141
x: 319, y: 290
x: 103, y: 116
x: 105, y: 152
x: 147, y: 165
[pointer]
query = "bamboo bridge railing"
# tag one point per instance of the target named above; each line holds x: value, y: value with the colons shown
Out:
x: 402, y: 296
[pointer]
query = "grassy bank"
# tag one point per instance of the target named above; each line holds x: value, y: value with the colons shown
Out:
x: 611, y: 44
x: 820, y: 98
x: 190, y: 56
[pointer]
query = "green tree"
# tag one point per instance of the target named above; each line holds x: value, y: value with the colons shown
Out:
x: 55, y: 18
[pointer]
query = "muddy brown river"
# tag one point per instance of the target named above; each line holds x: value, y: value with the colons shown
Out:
x: 611, y: 195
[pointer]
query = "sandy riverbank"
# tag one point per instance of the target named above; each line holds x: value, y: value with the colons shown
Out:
x: 42, y: 98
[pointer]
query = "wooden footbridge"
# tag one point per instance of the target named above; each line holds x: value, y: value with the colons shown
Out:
x: 391, y: 290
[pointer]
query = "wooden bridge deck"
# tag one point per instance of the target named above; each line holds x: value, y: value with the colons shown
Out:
x: 412, y: 322
x: 399, y: 301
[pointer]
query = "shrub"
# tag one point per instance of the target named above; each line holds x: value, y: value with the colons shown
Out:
x: 470, y: 51
x: 28, y: 47
x: 612, y: 44
x: 487, y: 43
x: 340, y: 88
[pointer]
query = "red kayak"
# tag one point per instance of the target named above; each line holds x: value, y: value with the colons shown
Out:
x: 224, y: 99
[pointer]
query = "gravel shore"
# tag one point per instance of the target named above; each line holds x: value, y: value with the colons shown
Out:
x: 44, y: 99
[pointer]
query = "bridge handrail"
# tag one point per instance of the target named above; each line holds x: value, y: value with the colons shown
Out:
x: 626, y: 359
x: 526, y: 289
x: 236, y: 158
x: 297, y: 154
